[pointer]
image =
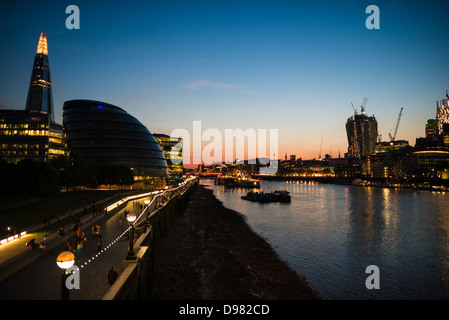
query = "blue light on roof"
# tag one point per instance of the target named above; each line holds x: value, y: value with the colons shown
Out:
x: 100, y: 107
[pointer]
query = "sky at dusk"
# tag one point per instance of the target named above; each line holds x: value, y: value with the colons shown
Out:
x: 294, y: 66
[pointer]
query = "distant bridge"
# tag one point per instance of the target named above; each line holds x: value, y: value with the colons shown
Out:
x: 207, y: 174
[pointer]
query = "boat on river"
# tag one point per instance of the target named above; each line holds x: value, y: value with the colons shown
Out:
x: 275, y: 196
x: 281, y: 196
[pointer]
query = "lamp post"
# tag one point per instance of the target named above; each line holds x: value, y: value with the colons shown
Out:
x: 131, y: 217
x: 65, y: 260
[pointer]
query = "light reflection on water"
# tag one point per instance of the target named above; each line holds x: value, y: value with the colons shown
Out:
x: 331, y: 233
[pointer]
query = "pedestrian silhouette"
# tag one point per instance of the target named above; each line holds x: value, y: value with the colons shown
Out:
x: 32, y: 244
x: 112, y: 276
x: 99, y: 242
x: 67, y: 246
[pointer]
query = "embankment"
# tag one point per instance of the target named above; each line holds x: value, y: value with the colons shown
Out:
x: 209, y: 253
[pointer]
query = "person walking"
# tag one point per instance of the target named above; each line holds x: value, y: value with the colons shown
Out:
x: 112, y: 276
x: 99, y: 242
x: 79, y: 247
x: 67, y: 246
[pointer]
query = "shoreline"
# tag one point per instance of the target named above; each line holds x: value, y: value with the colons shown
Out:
x: 410, y: 185
x: 210, y: 253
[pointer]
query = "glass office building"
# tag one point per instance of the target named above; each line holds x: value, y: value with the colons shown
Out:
x: 29, y: 135
x: 172, y: 149
x: 110, y: 136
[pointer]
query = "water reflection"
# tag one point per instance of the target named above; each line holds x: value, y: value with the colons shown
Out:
x: 331, y: 233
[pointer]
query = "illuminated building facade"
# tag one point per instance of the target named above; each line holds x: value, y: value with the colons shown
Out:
x: 361, y: 131
x: 109, y: 135
x: 172, y: 149
x: 432, y: 129
x: 433, y: 164
x: 437, y: 130
x: 32, y: 133
x: 386, y: 147
x: 29, y: 135
x: 442, y: 113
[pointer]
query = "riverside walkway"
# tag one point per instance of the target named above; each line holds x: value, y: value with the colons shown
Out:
x: 39, y: 278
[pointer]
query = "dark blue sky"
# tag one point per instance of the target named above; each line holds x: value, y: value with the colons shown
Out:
x: 295, y: 66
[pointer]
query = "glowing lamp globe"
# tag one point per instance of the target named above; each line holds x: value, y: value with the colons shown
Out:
x: 65, y: 260
x: 131, y: 217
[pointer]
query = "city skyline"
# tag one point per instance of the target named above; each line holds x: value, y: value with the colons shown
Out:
x: 290, y: 66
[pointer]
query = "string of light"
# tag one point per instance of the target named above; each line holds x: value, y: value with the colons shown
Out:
x: 157, y: 194
x: 104, y: 249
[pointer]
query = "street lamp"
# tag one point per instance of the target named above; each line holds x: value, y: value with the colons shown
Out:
x: 65, y: 260
x: 131, y: 217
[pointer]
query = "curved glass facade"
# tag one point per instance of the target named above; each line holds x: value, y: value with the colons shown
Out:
x: 109, y: 135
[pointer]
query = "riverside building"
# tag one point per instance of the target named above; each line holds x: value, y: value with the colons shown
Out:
x: 172, y: 149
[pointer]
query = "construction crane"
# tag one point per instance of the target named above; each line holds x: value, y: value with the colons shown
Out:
x: 362, y: 108
x: 319, y: 157
x: 396, y: 129
x: 355, y: 110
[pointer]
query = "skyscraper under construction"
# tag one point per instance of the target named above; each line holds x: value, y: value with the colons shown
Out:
x: 362, y: 134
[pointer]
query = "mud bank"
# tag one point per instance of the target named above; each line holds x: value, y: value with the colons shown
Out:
x: 211, y: 253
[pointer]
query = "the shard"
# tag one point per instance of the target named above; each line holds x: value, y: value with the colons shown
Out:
x: 40, y: 97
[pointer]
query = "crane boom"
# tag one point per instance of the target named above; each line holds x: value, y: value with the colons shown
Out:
x: 319, y: 156
x: 355, y: 110
x: 397, y: 125
x: 365, y: 100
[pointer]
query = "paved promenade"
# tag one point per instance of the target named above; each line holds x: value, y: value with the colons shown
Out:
x: 39, y: 277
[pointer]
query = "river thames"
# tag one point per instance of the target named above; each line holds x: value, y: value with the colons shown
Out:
x: 331, y: 233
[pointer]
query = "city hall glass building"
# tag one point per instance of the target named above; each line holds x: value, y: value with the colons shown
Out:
x: 109, y: 135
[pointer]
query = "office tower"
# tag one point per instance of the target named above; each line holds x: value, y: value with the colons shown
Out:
x: 172, y: 149
x: 442, y: 113
x: 361, y: 131
x: 39, y: 93
x: 431, y: 129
